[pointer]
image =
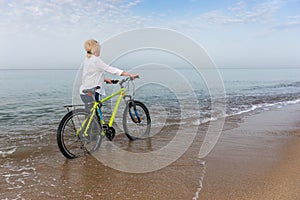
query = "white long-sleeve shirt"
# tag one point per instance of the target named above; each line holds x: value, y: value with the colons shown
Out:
x: 93, y: 73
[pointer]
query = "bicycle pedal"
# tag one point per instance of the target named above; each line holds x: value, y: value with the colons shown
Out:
x: 109, y: 137
x: 110, y: 133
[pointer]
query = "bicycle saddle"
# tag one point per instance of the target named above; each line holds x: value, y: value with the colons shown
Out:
x: 91, y: 91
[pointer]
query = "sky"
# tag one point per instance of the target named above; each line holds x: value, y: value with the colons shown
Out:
x: 235, y: 33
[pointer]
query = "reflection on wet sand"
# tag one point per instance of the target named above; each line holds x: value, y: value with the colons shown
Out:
x: 54, y: 177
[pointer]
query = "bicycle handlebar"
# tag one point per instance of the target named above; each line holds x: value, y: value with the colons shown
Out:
x: 121, y: 82
x: 114, y: 81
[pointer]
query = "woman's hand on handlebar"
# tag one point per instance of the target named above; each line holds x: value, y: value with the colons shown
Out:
x: 132, y: 76
x: 110, y: 81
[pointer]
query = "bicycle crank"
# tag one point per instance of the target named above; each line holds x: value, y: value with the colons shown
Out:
x: 110, y: 133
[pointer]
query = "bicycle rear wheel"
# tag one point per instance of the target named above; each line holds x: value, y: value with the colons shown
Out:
x: 72, y: 145
x: 136, y: 120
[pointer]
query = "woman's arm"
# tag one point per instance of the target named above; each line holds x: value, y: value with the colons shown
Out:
x: 114, y: 70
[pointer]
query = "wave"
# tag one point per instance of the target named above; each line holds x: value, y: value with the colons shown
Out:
x: 198, y: 122
x: 275, y: 86
x: 5, y: 151
x: 252, y: 108
x: 264, y: 105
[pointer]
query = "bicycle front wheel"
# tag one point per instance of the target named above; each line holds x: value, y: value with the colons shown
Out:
x: 73, y: 145
x: 136, y: 120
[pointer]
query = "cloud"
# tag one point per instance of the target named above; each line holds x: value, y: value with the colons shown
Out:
x: 291, y: 22
x: 241, y: 13
x: 59, y: 28
x: 21, y: 15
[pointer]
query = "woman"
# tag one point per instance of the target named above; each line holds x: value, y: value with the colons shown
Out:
x: 93, y: 71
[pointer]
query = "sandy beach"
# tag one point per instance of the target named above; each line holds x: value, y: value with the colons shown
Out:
x: 258, y: 160
x: 257, y: 157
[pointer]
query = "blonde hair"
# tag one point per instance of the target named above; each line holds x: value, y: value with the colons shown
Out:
x: 91, y: 46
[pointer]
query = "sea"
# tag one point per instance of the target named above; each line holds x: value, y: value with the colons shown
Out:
x: 179, y: 100
x: 32, y: 100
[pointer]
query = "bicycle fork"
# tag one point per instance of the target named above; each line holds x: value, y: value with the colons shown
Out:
x: 137, y: 119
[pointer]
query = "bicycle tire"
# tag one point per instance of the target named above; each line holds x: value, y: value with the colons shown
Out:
x: 136, y: 120
x: 66, y: 134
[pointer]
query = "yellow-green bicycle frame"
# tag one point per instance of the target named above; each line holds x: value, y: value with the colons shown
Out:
x: 88, y: 120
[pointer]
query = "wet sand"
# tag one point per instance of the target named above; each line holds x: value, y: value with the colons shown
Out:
x: 257, y: 157
x: 258, y: 160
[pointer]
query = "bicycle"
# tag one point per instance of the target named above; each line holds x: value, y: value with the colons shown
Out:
x: 82, y: 130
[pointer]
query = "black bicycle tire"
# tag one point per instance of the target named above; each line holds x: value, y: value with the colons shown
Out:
x: 60, y: 141
x: 146, y: 111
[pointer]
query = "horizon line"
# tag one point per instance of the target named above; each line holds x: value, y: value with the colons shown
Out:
x: 221, y: 67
